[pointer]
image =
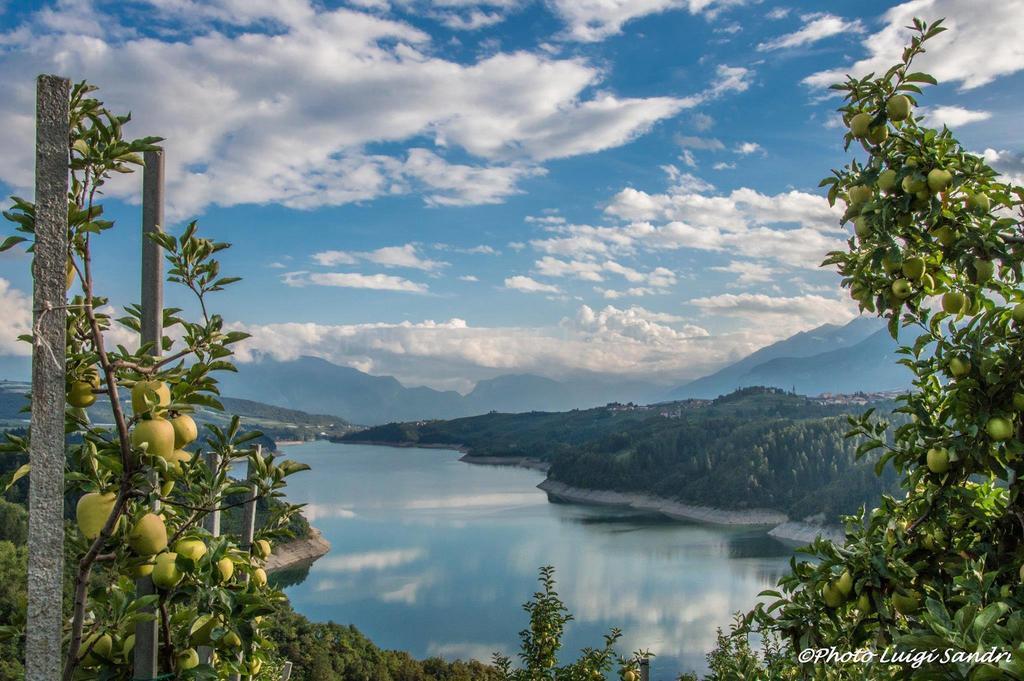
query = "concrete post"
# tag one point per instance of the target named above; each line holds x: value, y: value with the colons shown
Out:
x: 248, y: 519
x: 43, y: 653
x: 147, y: 634
x: 286, y: 673
x: 212, y: 524
x: 645, y: 669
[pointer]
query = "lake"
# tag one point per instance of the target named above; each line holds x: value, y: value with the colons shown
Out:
x: 436, y: 556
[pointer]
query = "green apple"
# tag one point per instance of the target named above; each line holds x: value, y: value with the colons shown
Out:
x: 913, y: 184
x: 187, y: 659
x: 193, y: 549
x: 887, y: 180
x: 166, y: 574
x: 864, y: 603
x: 92, y: 512
x: 226, y: 568
x: 913, y: 268
x: 984, y: 270
x: 906, y: 604
x: 149, y: 536
x: 845, y: 583
x: 878, y: 134
x: 938, y: 460
x: 99, y: 647
x: 261, y: 547
x: 860, y: 194
x: 898, y: 108
x: 891, y: 265
x: 185, y: 431
x: 81, y: 395
x: 959, y: 367
x: 980, y: 203
x: 945, y: 235
x: 939, y: 180
x: 901, y: 289
x: 1018, y: 313
x: 999, y: 428
x: 861, y: 227
x: 832, y: 596
x: 231, y: 640
x: 953, y: 302
x: 156, y: 435
x: 146, y: 393
x: 259, y: 577
x: 860, y: 124
x: 1018, y: 401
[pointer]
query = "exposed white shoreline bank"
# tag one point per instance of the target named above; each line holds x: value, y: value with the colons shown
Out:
x: 782, y: 527
x: 297, y: 552
x: 517, y: 461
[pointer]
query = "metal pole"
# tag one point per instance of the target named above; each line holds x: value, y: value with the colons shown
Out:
x: 46, y: 446
x: 147, y: 634
x: 645, y: 669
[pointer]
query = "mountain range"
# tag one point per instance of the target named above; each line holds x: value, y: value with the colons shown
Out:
x: 858, y: 356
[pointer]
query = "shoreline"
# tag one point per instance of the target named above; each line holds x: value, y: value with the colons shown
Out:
x: 782, y: 528
x: 298, y: 552
x: 404, y: 445
x: 516, y: 461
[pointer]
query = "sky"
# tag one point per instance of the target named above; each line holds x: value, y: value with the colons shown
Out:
x: 450, y: 190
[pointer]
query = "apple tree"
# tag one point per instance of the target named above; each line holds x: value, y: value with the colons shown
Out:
x: 541, y: 642
x: 141, y: 486
x: 936, y: 249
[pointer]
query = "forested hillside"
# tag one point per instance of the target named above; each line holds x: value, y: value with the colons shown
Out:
x: 754, y: 448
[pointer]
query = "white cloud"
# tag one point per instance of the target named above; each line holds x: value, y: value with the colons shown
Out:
x: 983, y: 43
x: 706, y: 143
x: 778, y: 13
x: 15, y: 320
x: 281, y: 108
x: 702, y: 122
x: 405, y: 256
x: 529, y: 285
x: 782, y: 314
x: 749, y: 272
x: 468, y: 277
x: 1009, y: 164
x: 817, y: 26
x: 370, y: 560
x: 593, y: 20
x: 722, y: 165
x: 954, y: 116
x: 659, y: 277
x: 377, y: 282
x: 747, y: 148
x: 629, y: 342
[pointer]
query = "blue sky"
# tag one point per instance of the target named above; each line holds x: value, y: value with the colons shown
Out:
x: 447, y: 190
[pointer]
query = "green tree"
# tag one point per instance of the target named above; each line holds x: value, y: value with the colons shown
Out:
x: 541, y: 642
x: 937, y: 250
x: 212, y: 591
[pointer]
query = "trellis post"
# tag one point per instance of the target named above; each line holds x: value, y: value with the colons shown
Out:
x: 147, y: 633
x: 645, y: 669
x: 248, y: 520
x: 46, y: 446
x: 212, y: 524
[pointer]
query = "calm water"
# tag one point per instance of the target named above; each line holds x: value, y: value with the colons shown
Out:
x: 435, y: 556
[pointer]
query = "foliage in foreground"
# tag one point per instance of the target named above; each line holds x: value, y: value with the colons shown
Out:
x: 937, y: 251
x: 541, y: 642
x: 143, y: 486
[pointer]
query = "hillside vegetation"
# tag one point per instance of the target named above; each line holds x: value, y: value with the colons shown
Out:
x: 754, y: 448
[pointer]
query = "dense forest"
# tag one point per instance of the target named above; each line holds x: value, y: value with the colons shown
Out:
x: 754, y: 448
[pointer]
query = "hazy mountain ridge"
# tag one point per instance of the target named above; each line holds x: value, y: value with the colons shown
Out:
x: 860, y: 356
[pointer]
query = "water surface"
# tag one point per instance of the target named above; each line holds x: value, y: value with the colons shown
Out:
x: 436, y: 556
